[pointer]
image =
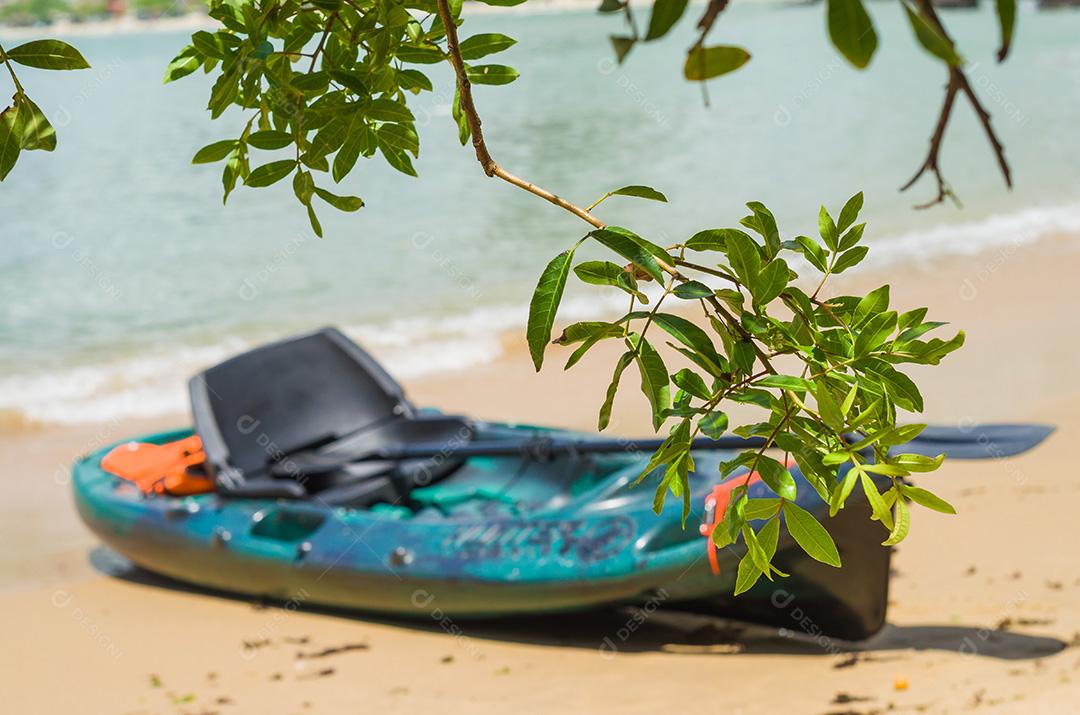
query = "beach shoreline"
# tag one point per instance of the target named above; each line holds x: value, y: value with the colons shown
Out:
x: 980, y: 614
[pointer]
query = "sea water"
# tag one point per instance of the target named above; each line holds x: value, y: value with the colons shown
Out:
x: 121, y: 272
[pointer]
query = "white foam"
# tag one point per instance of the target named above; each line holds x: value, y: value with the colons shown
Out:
x: 154, y: 384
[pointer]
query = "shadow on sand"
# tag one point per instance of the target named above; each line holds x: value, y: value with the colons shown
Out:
x: 633, y: 630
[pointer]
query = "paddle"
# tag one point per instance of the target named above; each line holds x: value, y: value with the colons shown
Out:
x: 969, y: 442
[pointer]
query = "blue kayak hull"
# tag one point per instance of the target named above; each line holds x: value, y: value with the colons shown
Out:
x: 563, y: 536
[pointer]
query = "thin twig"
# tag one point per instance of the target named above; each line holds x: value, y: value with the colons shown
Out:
x: 957, y: 83
x: 11, y: 71
x: 468, y: 108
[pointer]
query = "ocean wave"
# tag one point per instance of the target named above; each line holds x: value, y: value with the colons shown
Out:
x: 155, y: 384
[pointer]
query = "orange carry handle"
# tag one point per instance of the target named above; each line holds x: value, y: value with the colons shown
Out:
x: 161, y: 468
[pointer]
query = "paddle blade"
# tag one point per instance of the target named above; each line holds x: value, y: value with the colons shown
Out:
x: 976, y: 441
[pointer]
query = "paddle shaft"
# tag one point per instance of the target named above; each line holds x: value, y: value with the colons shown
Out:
x: 971, y: 442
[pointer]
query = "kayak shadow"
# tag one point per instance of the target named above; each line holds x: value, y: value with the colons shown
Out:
x: 618, y: 630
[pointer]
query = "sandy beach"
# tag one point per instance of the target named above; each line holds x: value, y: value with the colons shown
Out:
x: 983, y: 613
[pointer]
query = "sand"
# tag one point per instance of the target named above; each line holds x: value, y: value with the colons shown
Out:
x: 983, y: 613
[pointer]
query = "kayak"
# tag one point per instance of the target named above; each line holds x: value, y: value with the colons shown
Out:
x: 321, y: 485
x: 496, y: 538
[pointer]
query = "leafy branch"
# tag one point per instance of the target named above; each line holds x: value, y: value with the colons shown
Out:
x: 849, y: 346
x: 852, y: 32
x: 23, y: 126
x: 937, y: 40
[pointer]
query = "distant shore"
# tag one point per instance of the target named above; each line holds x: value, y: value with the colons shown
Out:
x: 130, y: 24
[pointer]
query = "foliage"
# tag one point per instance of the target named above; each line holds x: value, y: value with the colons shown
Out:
x: 331, y: 103
x: 23, y: 126
x: 832, y: 406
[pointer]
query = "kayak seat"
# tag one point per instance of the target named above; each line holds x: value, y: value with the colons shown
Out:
x: 291, y: 419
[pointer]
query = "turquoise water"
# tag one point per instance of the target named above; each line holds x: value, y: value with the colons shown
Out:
x: 121, y: 272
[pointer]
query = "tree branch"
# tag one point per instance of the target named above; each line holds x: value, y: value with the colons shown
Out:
x: 958, y: 83
x: 468, y: 108
x: 708, y: 18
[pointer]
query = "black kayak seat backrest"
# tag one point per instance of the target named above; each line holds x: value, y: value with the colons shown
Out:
x: 295, y: 394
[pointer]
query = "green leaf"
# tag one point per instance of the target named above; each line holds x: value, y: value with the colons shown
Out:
x: 776, y: 476
x: 491, y: 74
x: 827, y: 406
x: 713, y: 239
x: 545, y: 303
x: 918, y: 462
x: 688, y: 380
x: 33, y: 127
x: 754, y: 549
x: 411, y: 80
x: 270, y: 139
x: 704, y: 63
x: 877, y: 504
x: 605, y: 410
x: 873, y: 303
x: 303, y: 186
x: 745, y: 257
x: 654, y: 378
x: 1006, y: 12
x: 399, y: 136
x: 901, y: 524
x: 761, y: 508
x: 827, y: 229
x: 342, y: 203
x: 395, y: 157
x: 810, y: 535
x: 633, y: 248
x: 714, y: 424
x: 852, y: 237
x: 387, y: 110
x: 850, y: 212
x: 813, y: 252
x: 927, y: 499
x: 771, y: 282
x: 849, y: 258
x: 182, y: 65
x: 785, y: 382
x: 359, y: 139
x: 208, y: 44
x: 931, y: 38
x: 48, y: 55
x: 641, y: 192
x: 665, y: 13
x: 214, y: 152
x: 875, y: 332
x: 747, y: 576
x: 270, y: 173
x: 764, y: 223
x: 692, y: 290
x: 222, y: 94
x: 851, y: 30
x: 477, y: 46
x: 9, y: 141
x: 691, y: 336
x: 591, y: 335
x: 421, y: 54
x: 314, y: 220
